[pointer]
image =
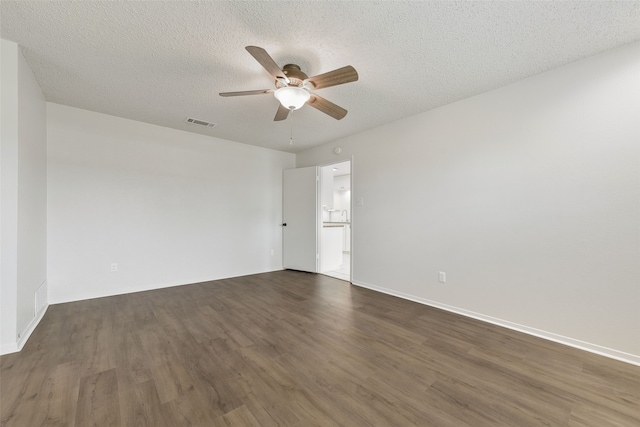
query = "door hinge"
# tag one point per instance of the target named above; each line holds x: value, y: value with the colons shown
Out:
x: 317, y: 256
x: 318, y: 178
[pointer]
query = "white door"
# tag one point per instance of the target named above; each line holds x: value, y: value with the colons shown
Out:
x: 300, y: 219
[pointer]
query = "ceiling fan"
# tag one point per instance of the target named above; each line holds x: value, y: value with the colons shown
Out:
x: 294, y: 88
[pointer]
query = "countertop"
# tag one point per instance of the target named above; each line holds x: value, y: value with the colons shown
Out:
x: 335, y: 224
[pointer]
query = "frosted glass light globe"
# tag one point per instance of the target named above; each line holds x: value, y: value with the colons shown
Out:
x: 292, y: 97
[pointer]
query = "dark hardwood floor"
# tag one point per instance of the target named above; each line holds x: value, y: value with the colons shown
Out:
x: 296, y: 349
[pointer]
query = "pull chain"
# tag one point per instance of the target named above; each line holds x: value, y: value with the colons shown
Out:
x: 291, y: 134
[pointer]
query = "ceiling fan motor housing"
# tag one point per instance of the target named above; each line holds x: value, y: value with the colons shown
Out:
x: 294, y: 74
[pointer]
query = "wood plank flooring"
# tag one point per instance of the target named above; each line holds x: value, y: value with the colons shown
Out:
x: 296, y: 349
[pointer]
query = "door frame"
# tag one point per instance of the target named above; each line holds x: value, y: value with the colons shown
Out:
x: 351, y: 206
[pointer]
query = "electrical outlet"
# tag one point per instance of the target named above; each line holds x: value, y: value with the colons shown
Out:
x: 442, y: 277
x: 114, y: 267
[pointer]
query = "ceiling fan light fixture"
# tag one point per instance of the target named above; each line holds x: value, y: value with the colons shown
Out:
x: 292, y: 97
x: 294, y: 88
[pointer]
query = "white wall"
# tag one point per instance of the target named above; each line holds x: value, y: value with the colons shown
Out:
x: 32, y: 193
x: 169, y: 207
x: 24, y: 193
x: 9, y: 195
x: 528, y: 197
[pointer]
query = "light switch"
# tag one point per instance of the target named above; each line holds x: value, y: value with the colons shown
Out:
x: 360, y: 201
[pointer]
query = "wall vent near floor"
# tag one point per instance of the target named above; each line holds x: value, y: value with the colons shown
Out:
x: 199, y: 122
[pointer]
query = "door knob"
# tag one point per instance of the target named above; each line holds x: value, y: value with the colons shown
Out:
x: 284, y: 224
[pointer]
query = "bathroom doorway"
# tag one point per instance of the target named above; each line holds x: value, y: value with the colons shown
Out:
x: 335, y: 235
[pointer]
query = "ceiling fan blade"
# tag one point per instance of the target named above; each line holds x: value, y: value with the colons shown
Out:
x: 340, y: 76
x: 327, y: 107
x: 247, y: 92
x: 267, y: 62
x: 282, y: 113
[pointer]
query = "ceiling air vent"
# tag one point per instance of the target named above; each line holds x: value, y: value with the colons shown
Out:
x: 199, y: 122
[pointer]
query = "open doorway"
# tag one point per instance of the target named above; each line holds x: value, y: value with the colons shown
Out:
x: 335, y: 235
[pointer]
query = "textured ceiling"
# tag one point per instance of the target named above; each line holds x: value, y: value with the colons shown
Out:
x: 159, y: 62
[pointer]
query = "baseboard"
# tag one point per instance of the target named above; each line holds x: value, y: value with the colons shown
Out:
x: 57, y: 299
x: 571, y: 342
x: 9, y: 348
x: 17, y: 346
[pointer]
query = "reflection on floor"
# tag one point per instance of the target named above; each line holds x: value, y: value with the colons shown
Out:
x: 344, y: 272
